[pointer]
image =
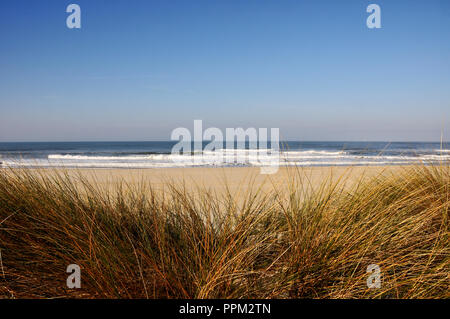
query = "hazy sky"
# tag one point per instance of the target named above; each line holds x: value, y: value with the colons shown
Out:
x: 136, y: 70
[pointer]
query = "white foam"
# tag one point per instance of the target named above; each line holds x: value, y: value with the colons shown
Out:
x: 226, y: 157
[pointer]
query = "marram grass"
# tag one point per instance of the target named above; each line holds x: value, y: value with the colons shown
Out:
x: 134, y: 242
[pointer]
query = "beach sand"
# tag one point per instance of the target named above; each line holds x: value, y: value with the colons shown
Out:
x: 238, y: 180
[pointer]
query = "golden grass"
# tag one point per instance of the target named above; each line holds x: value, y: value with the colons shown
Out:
x: 134, y: 242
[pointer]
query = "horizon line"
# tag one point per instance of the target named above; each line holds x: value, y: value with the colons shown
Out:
x: 177, y: 141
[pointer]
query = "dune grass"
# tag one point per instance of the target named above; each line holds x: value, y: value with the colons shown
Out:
x: 299, y: 242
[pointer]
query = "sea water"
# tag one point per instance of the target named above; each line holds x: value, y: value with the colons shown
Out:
x: 159, y: 154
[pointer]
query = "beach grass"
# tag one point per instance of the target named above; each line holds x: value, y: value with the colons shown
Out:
x: 132, y: 241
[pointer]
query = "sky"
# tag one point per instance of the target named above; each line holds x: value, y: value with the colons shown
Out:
x: 138, y: 69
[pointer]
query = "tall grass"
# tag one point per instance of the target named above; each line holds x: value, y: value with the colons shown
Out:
x: 297, y: 242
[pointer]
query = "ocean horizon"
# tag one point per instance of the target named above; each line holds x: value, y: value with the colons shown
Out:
x: 158, y: 154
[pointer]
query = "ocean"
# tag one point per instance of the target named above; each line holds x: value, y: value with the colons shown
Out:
x: 158, y: 154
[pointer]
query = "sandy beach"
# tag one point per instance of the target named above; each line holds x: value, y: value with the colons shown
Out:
x: 238, y: 180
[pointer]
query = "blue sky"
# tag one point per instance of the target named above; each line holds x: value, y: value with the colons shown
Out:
x: 138, y: 69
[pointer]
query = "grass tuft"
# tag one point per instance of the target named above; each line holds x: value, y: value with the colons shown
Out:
x: 134, y: 242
